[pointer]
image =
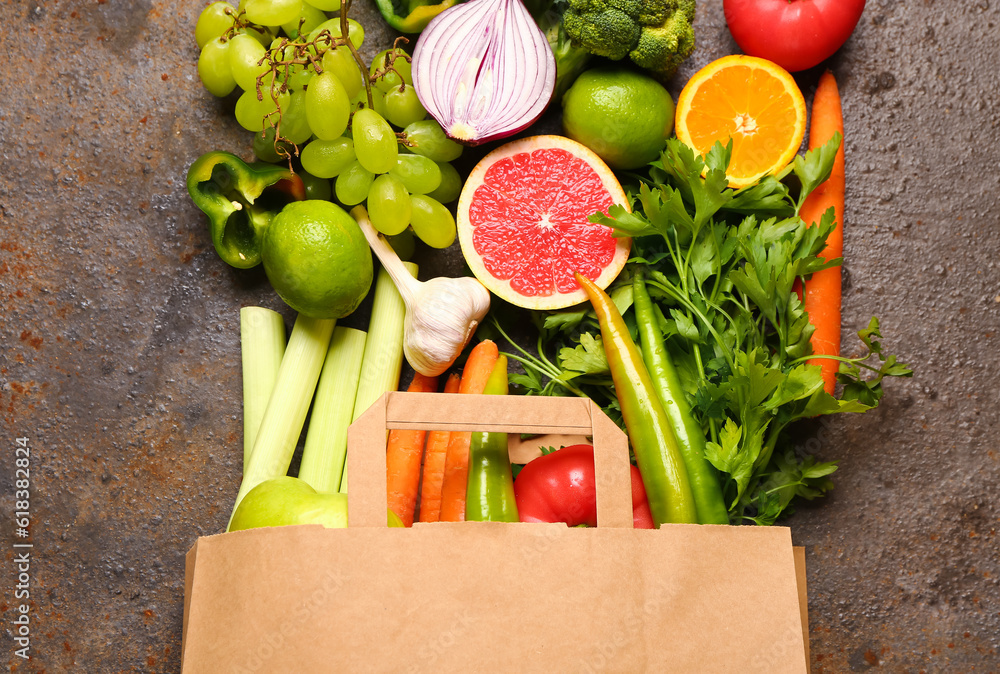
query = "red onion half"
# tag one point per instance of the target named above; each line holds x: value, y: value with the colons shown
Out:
x: 483, y: 70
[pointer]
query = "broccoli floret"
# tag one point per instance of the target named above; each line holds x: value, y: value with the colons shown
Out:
x: 656, y: 34
x: 630, y: 7
x: 661, y: 49
x: 571, y: 59
x: 655, y: 13
x: 610, y: 33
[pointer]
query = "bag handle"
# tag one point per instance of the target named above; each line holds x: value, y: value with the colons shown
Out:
x: 366, y: 440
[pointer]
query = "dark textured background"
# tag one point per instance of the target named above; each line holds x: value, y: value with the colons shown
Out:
x: 120, y: 356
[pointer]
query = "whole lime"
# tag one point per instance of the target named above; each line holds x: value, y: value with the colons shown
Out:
x: 317, y: 259
x: 623, y: 116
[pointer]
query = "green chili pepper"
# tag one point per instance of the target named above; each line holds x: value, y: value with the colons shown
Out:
x: 687, y: 431
x: 411, y: 16
x: 490, y: 493
x: 240, y: 200
x: 656, y: 453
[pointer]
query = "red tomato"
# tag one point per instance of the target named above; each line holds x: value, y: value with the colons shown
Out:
x: 795, y: 34
x: 560, y: 487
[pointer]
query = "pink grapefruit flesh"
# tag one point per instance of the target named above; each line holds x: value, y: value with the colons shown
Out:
x: 523, y: 222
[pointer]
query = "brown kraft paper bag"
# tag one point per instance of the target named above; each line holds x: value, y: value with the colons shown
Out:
x: 492, y: 596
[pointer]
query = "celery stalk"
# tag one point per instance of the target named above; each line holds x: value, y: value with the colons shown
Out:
x: 383, y: 359
x: 332, y: 410
x: 286, y: 410
x: 262, y: 338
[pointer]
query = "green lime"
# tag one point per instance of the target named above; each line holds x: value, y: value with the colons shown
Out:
x: 317, y: 259
x: 623, y: 116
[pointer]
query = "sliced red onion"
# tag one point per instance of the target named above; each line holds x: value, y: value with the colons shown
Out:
x: 484, y: 70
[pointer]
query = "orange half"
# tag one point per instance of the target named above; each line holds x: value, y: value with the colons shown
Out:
x: 751, y: 100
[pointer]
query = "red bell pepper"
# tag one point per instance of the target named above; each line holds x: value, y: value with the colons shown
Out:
x: 560, y: 487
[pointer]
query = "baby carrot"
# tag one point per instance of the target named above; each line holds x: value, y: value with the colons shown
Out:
x: 434, y: 457
x: 404, y: 449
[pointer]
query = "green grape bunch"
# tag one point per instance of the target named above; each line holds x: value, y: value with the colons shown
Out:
x: 358, y: 134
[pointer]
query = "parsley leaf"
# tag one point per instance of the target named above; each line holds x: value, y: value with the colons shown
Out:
x: 814, y: 168
x: 586, y: 358
x: 564, y: 321
x: 721, y: 265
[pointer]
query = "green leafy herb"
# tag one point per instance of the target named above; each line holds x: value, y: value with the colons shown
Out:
x: 721, y: 267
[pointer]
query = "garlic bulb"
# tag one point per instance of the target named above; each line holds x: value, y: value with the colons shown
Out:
x: 441, y: 314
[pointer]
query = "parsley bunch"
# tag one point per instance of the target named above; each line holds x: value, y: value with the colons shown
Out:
x: 721, y: 267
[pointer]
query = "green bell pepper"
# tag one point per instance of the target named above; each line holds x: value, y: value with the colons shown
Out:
x: 240, y: 200
x: 490, y: 493
x: 411, y: 16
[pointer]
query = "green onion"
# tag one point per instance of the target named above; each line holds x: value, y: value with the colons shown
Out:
x: 262, y: 339
x: 286, y: 410
x: 326, y: 438
x: 383, y: 359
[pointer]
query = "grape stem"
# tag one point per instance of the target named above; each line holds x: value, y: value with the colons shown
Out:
x: 344, y: 5
x: 389, y: 66
x: 300, y: 55
x: 239, y: 23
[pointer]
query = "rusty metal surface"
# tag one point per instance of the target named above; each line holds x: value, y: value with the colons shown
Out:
x: 120, y: 352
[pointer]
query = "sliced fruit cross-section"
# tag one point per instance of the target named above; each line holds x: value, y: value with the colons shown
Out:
x: 751, y: 100
x: 523, y: 222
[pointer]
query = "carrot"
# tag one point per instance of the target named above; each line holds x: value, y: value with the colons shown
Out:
x: 434, y: 458
x: 404, y: 449
x: 477, y: 371
x: 823, y: 290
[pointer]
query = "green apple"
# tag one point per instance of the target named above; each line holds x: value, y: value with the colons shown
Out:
x: 283, y: 501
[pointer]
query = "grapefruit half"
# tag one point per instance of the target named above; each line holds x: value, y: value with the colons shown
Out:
x: 523, y: 227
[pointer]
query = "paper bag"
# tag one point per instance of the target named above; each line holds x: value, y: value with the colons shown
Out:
x: 490, y: 596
